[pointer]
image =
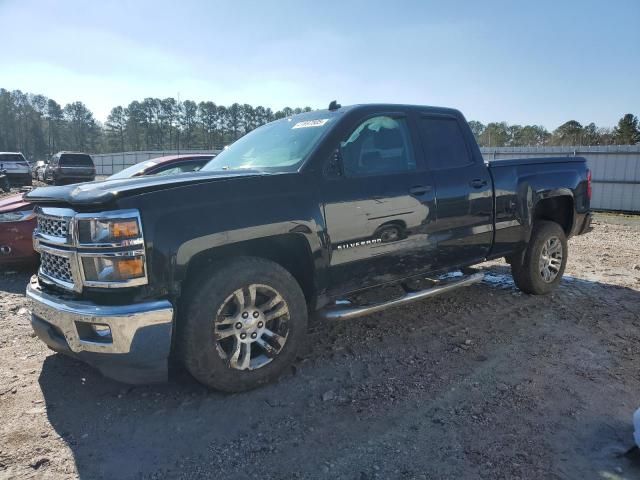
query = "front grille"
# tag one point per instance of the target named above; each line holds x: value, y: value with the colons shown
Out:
x: 56, y: 267
x: 53, y: 226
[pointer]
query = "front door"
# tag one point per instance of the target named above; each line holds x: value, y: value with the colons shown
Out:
x: 379, y: 209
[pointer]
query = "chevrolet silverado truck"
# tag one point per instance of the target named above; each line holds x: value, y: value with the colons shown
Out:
x: 220, y: 270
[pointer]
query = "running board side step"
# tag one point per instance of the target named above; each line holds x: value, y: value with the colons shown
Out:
x: 349, y: 312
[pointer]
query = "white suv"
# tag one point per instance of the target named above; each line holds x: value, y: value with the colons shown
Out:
x: 17, y: 168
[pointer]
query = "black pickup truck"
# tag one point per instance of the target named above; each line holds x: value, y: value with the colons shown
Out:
x: 220, y: 269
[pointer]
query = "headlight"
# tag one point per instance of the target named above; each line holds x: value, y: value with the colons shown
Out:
x: 118, y: 228
x: 113, y: 269
x: 19, y: 216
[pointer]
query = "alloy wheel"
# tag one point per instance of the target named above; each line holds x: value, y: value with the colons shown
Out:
x: 251, y: 327
x: 550, y: 259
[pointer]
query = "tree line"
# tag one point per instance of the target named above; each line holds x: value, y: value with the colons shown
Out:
x: 38, y: 127
x: 626, y: 132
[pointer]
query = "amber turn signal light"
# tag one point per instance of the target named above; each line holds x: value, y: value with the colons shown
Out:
x: 124, y: 229
x: 130, y: 267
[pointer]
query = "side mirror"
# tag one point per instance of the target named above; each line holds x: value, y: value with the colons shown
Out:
x: 334, y: 165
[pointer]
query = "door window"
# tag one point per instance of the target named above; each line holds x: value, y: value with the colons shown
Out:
x: 378, y: 146
x: 444, y: 143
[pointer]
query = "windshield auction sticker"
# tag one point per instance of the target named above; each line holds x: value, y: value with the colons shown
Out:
x: 311, y: 123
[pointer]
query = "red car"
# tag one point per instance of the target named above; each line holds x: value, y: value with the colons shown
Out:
x: 17, y: 219
x: 17, y: 222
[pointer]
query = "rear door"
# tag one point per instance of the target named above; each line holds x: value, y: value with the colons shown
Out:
x: 379, y: 209
x: 464, y: 197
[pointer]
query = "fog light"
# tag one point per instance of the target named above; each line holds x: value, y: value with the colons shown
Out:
x: 94, y: 332
x: 101, y: 330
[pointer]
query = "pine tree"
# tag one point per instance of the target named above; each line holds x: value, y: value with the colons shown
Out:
x: 627, y: 132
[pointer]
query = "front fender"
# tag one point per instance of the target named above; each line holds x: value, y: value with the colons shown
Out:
x: 183, y: 222
x: 192, y: 248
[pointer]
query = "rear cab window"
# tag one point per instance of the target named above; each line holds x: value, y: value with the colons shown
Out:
x: 76, y: 160
x: 444, y: 143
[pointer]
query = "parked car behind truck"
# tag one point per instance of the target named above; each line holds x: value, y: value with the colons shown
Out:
x: 17, y: 168
x: 70, y: 167
x: 293, y: 219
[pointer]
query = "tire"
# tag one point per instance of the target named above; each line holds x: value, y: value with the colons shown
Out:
x: 209, y: 332
x: 529, y: 273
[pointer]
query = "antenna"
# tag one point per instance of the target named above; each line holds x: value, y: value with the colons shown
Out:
x: 334, y: 105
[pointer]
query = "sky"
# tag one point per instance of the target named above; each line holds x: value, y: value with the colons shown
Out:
x: 541, y: 62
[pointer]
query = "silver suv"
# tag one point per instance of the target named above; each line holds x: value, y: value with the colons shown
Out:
x: 70, y: 167
x: 17, y: 168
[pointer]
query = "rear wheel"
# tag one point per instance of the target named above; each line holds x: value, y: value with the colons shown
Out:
x: 539, y: 270
x: 243, y: 325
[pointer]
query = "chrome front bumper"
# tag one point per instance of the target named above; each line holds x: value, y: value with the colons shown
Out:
x: 139, y: 341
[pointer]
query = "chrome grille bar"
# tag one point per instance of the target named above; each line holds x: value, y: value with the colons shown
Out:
x: 56, y: 267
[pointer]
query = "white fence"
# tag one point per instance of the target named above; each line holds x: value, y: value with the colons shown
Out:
x: 109, y: 163
x: 615, y: 170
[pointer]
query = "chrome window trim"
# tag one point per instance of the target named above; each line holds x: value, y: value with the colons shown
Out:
x: 77, y: 250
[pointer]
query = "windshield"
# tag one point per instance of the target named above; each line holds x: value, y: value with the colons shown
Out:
x: 280, y: 146
x: 133, y: 170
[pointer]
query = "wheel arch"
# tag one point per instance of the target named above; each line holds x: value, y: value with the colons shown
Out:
x: 290, y: 250
x: 557, y: 208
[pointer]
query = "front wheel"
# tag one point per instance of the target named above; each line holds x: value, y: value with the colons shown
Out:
x: 541, y: 267
x: 242, y: 324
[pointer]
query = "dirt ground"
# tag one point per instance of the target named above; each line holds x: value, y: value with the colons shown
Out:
x: 484, y: 382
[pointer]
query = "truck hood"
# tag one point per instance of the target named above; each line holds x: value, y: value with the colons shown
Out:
x: 13, y: 203
x: 101, y: 193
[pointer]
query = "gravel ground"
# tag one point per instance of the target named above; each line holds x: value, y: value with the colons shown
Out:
x: 481, y: 383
